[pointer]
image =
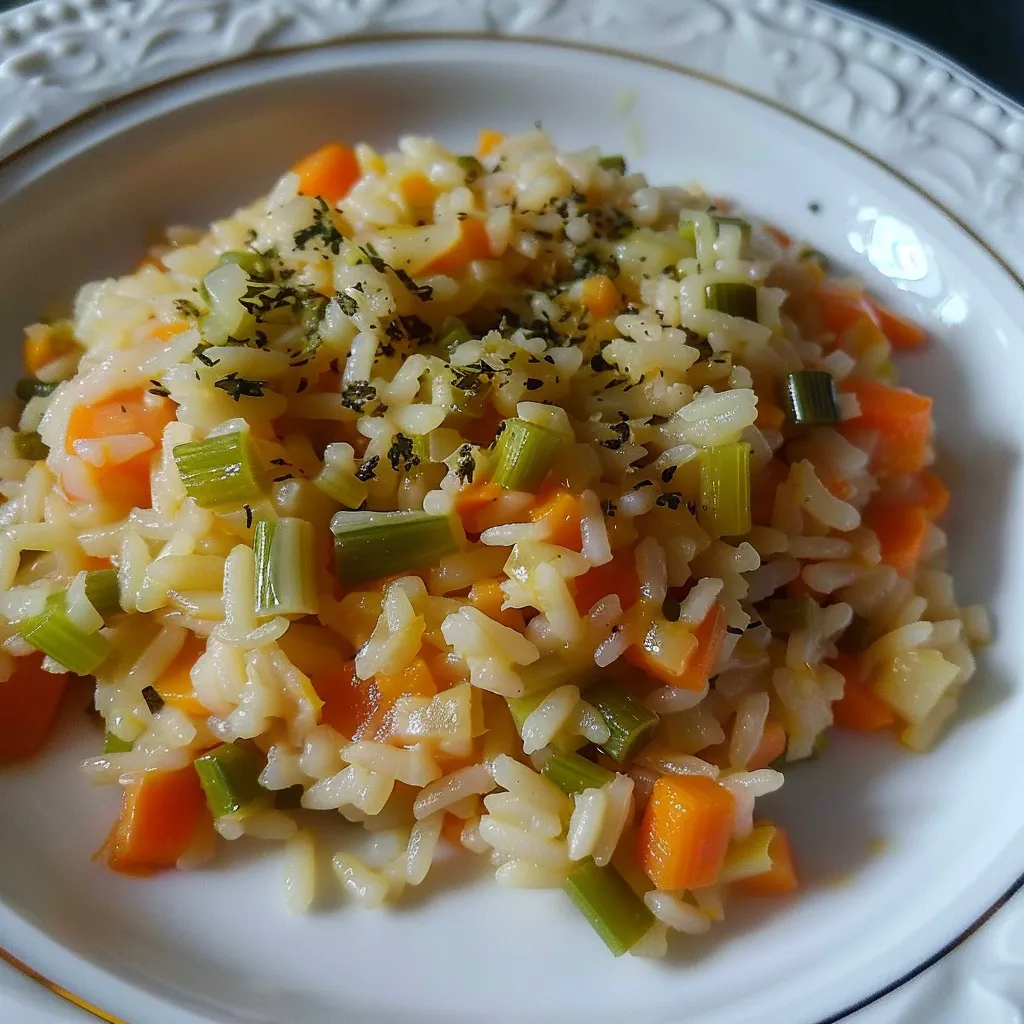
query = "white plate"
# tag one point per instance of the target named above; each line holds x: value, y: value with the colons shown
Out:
x: 901, y: 853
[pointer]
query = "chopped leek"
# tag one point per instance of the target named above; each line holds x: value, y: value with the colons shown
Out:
x: 811, y: 399
x: 114, y: 744
x: 27, y: 389
x: 524, y: 454
x: 688, y: 230
x: 616, y: 162
x: 605, y: 899
x: 220, y: 472
x: 453, y: 333
x: 254, y: 265
x: 725, y: 489
x: 421, y: 450
x: 285, y: 567
x: 630, y: 723
x: 733, y: 298
x: 102, y: 590
x: 371, y: 545
x: 229, y: 775
x: 53, y: 633
x: 573, y: 773
x: 29, y: 445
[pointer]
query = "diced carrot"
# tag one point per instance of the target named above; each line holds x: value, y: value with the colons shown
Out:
x: 762, y: 491
x: 161, y: 811
x: 685, y: 831
x: 562, y: 512
x: 600, y: 296
x: 471, y: 242
x: 860, y: 708
x: 901, y: 419
x: 415, y: 680
x: 125, y: 484
x: 903, y: 334
x: 487, y: 141
x: 779, y: 235
x: 933, y: 495
x: 487, y: 596
x: 164, y: 332
x: 175, y: 685
x: 772, y: 745
x: 43, y: 344
x: 721, y: 205
x: 29, y: 702
x: 472, y: 498
x: 447, y: 669
x: 840, y: 310
x: 693, y: 673
x: 128, y: 412
x: 618, y: 577
x: 419, y: 190
x: 769, y: 416
x: 347, y: 701
x: 329, y: 171
x: 902, y: 530
x: 781, y: 879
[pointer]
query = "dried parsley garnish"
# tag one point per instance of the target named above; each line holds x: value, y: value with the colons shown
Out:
x: 322, y: 228
x: 400, y: 454
x: 465, y: 465
x: 355, y: 395
x: 368, y: 470
x: 237, y: 387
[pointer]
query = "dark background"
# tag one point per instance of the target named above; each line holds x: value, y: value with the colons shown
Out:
x: 985, y: 36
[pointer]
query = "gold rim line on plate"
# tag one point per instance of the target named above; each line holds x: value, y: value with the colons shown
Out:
x: 58, y: 990
x: 104, y: 106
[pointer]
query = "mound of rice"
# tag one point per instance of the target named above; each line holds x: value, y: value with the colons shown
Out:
x: 374, y: 335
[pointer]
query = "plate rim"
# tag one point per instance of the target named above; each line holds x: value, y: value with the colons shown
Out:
x: 1012, y: 263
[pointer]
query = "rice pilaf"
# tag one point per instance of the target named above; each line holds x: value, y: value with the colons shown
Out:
x: 503, y: 502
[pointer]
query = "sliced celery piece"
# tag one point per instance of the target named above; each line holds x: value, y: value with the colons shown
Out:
x: 738, y: 222
x: 725, y: 489
x: 114, y: 744
x: 524, y: 454
x: 337, y: 478
x: 102, y: 590
x: 631, y: 723
x: 254, y: 265
x: 29, y: 445
x: 616, y: 162
x: 285, y: 567
x: 453, y: 333
x: 811, y: 399
x: 229, y: 775
x: 605, y: 899
x: 53, y: 633
x: 370, y: 545
x: 220, y: 472
x: 471, y: 167
x: 573, y: 773
x: 734, y: 298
